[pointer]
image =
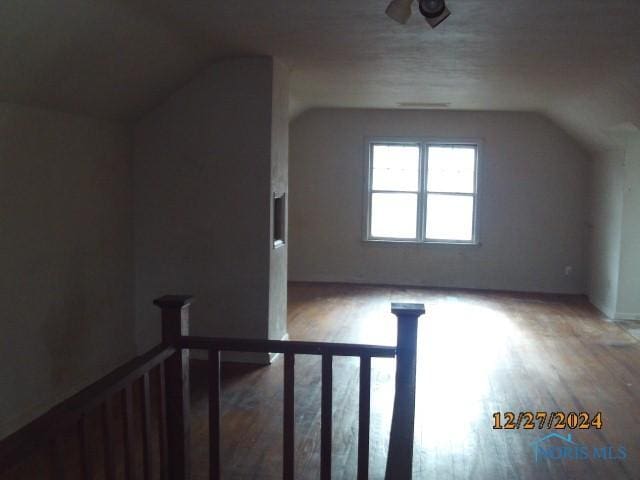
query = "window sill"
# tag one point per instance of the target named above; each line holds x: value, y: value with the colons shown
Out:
x: 388, y: 241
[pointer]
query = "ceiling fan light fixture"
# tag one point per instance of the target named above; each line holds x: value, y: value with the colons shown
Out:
x: 434, y: 11
x: 399, y: 10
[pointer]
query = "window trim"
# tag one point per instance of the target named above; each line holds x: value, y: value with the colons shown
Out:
x: 423, y: 143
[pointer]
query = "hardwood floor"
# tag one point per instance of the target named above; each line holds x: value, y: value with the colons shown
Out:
x: 479, y: 353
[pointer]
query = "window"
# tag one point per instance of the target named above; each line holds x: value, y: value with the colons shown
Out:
x: 422, y: 192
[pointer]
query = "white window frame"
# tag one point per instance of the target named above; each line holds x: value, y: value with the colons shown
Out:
x: 421, y: 220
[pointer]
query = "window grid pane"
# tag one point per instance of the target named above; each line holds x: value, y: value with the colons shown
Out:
x: 393, y: 215
x: 449, y: 217
x: 451, y: 169
x: 396, y: 168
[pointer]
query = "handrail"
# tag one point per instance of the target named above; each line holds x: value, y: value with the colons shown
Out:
x: 25, y: 441
x: 172, y: 361
x: 175, y: 327
x: 286, y: 346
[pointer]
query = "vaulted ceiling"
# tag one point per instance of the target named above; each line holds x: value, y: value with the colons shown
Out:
x: 574, y: 60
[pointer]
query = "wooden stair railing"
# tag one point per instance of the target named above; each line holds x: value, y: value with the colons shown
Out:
x: 101, y: 398
x: 171, y: 362
x: 175, y: 321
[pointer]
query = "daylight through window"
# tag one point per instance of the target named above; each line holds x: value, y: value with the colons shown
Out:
x: 422, y: 192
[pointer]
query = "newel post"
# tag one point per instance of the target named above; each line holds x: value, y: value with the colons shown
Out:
x: 175, y: 323
x: 400, y: 458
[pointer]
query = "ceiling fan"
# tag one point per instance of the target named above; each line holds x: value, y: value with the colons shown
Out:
x: 434, y: 11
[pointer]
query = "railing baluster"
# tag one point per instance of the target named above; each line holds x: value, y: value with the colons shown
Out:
x: 85, y: 454
x: 326, y: 417
x: 364, y: 417
x: 146, y: 427
x: 214, y: 415
x: 288, y: 446
x: 75, y: 417
x: 107, y: 428
x: 162, y: 423
x: 127, y: 408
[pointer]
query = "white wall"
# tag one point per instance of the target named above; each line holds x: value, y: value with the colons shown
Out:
x: 628, y: 307
x: 279, y: 185
x: 531, y: 214
x: 614, y: 285
x: 606, y: 230
x: 65, y: 251
x: 203, y: 188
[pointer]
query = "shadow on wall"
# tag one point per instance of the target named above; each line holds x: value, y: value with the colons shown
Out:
x: 67, y: 331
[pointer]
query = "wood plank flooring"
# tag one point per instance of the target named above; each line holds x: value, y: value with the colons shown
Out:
x: 479, y: 353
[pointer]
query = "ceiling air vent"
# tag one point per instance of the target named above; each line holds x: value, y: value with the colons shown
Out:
x: 424, y: 104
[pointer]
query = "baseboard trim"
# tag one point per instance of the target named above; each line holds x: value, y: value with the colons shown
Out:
x: 613, y: 316
x: 254, y: 358
x: 437, y: 287
x: 273, y: 356
x: 608, y: 313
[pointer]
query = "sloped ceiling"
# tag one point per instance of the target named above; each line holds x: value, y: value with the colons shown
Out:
x: 574, y: 60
